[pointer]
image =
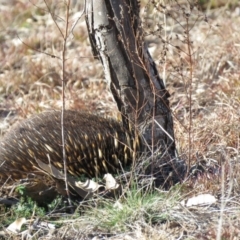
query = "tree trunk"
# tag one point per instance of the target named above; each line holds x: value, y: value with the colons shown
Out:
x: 117, y: 40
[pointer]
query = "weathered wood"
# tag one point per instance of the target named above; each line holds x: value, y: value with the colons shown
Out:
x: 116, y: 38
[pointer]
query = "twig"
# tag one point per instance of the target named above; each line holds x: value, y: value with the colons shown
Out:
x: 81, y: 14
x: 64, y: 50
x: 65, y: 37
x: 52, y: 15
x: 189, y: 53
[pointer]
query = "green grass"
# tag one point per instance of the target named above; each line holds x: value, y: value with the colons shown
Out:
x: 25, y: 208
x: 137, y: 206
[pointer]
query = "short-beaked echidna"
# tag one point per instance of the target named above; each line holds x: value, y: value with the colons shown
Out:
x: 94, y: 145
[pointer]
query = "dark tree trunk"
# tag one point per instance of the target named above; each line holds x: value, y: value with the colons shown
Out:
x: 116, y: 38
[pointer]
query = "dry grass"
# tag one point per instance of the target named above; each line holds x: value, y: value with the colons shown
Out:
x: 30, y: 82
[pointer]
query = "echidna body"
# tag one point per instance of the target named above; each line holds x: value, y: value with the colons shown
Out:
x: 94, y: 145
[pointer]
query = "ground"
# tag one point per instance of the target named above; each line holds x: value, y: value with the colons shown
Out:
x: 197, y: 55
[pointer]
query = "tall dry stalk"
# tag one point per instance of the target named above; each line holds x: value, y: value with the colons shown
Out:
x: 190, y: 82
x: 65, y: 35
x: 64, y: 49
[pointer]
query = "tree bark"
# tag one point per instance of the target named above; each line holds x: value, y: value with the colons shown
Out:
x: 117, y: 41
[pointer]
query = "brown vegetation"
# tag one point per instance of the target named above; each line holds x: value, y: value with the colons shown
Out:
x: 206, y: 126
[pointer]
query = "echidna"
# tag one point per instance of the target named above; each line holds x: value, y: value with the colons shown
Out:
x: 94, y: 145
